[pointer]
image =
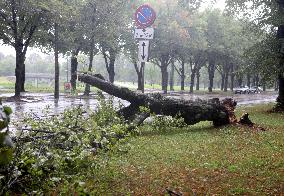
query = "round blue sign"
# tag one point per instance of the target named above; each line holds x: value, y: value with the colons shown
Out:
x: 145, y: 16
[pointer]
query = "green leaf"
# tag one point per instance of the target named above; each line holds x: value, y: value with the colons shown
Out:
x: 3, y: 124
x: 6, y: 156
x: 7, y: 110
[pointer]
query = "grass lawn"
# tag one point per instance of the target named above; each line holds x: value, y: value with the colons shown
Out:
x: 198, y: 160
x: 8, y: 86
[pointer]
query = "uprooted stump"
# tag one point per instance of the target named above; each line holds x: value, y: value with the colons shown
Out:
x: 219, y: 112
x: 245, y: 121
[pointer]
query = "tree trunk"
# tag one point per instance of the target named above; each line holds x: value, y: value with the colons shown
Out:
x: 23, y: 77
x: 164, y: 72
x: 248, y: 80
x: 140, y: 74
x: 221, y: 113
x: 222, y: 81
x: 232, y: 78
x: 257, y: 80
x: 211, y: 71
x: 56, y: 63
x: 264, y: 86
x: 280, y: 36
x: 280, y: 98
x: 276, y: 86
x: 109, y: 62
x: 192, y: 78
x: 197, y: 79
x: 74, y: 67
x: 182, y: 77
x: 91, y: 59
x: 226, y: 81
x: 172, y: 74
x: 19, y: 71
x: 240, y: 80
x: 111, y: 65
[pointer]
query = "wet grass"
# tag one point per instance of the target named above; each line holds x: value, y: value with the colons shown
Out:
x: 5, y: 84
x: 200, y: 160
x: 8, y: 86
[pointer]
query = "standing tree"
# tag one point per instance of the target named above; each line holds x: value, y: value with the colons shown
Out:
x: 214, y: 34
x: 19, y: 24
x: 268, y: 13
x: 171, y: 36
x: 56, y: 63
x: 114, y: 22
x: 90, y: 22
x: 53, y: 36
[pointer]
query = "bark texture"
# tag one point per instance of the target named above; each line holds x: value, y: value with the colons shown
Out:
x: 181, y: 72
x: 109, y: 56
x: 198, y: 78
x: 172, y: 75
x: 219, y: 112
x: 56, y: 63
x: 280, y: 36
x: 211, y: 71
x: 19, y: 72
x: 74, y: 67
x: 91, y: 59
x: 140, y: 75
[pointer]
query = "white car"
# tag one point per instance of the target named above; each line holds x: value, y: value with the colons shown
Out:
x: 255, y: 89
x: 241, y: 90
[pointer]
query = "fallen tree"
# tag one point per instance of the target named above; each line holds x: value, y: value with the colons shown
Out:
x: 219, y: 112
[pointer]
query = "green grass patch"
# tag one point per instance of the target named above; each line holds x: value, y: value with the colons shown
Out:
x: 199, y: 160
x: 6, y: 83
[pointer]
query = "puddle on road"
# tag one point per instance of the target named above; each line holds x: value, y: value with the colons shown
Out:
x: 37, y: 102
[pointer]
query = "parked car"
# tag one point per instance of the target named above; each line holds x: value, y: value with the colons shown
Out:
x: 241, y: 90
x: 255, y: 89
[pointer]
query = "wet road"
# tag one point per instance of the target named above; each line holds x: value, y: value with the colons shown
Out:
x: 37, y: 102
x: 242, y: 99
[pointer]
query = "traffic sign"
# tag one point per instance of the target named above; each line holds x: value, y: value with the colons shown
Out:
x: 145, y: 16
x: 147, y: 33
x: 143, y: 54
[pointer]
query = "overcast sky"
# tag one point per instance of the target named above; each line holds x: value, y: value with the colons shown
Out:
x: 7, y: 50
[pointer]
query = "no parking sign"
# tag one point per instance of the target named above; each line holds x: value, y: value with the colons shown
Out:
x: 145, y: 16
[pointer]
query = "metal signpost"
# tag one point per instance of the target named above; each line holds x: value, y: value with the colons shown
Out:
x: 144, y: 16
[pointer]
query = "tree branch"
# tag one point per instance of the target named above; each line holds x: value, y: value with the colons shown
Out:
x: 27, y: 42
x: 14, y: 16
x: 5, y: 38
x: 156, y: 62
x: 179, y: 73
x: 136, y: 67
x: 24, y: 29
x: 4, y: 16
